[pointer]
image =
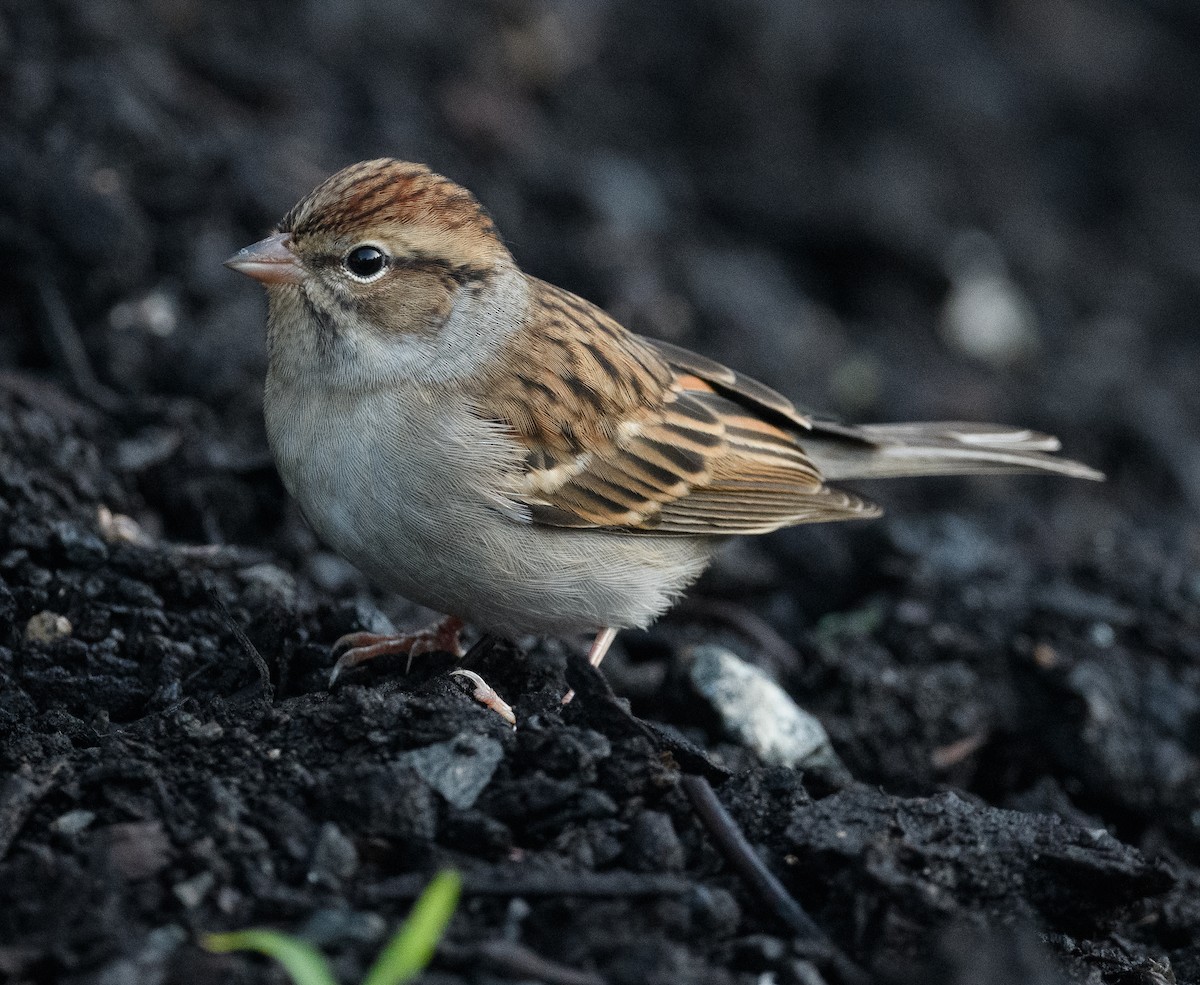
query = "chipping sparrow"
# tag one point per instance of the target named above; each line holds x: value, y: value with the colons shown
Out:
x: 496, y: 448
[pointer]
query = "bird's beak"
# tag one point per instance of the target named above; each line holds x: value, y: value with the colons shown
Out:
x: 269, y: 261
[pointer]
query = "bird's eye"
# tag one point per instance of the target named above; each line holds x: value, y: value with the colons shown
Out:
x: 365, y: 262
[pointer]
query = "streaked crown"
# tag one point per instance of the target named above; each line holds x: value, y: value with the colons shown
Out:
x: 434, y: 218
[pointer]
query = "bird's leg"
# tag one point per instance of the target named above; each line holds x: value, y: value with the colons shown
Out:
x: 600, y: 646
x: 356, y: 648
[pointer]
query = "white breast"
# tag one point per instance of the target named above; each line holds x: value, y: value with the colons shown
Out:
x: 402, y: 479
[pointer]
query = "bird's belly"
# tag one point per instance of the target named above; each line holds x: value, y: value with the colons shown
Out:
x: 411, y: 511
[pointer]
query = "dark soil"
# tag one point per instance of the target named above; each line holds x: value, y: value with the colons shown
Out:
x: 1009, y: 668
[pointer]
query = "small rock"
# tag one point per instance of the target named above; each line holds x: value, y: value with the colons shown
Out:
x: 72, y: 822
x: 327, y: 927
x: 986, y: 315
x: 268, y: 583
x: 459, y: 769
x: 228, y: 900
x: 161, y: 943
x: 157, y: 313
x: 46, y: 627
x: 194, y: 728
x: 715, y: 909
x: 137, y: 850
x: 81, y: 547
x: 334, y: 857
x: 117, y: 528
x: 758, y: 713
x: 135, y: 592
x: 146, y: 964
x: 382, y: 800
x: 653, y: 844
x: 191, y: 892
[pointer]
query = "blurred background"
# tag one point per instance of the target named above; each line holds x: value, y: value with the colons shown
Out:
x: 887, y: 211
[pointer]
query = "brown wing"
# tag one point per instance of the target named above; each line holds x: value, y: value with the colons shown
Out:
x: 622, y: 436
x: 743, y: 389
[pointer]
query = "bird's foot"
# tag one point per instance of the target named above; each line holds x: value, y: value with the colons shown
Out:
x: 486, y: 695
x: 356, y: 648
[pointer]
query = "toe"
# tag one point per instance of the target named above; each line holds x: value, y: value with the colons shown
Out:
x: 352, y: 641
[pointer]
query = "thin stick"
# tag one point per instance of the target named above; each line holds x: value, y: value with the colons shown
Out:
x: 70, y: 350
x: 256, y: 658
x: 738, y: 851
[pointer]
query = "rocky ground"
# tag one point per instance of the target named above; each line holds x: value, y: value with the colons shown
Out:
x: 888, y: 211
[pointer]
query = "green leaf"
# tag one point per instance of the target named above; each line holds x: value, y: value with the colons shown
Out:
x: 302, y: 961
x: 410, y: 950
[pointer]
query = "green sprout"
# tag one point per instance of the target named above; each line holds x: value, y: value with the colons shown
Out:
x: 402, y: 959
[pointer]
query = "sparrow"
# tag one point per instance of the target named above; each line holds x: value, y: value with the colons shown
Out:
x: 499, y: 449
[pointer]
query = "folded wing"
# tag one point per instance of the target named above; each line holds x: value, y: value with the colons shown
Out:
x: 622, y: 435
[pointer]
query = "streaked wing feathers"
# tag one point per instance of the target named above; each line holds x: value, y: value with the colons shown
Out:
x: 619, y: 437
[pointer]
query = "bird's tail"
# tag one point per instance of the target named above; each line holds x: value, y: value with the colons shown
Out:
x: 883, y: 451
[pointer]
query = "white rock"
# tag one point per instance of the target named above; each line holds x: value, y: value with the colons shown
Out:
x: 758, y: 713
x: 986, y: 315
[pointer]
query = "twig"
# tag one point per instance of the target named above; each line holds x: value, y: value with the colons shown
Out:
x: 256, y: 658
x: 762, y: 882
x: 598, y: 702
x: 69, y: 348
x: 738, y: 851
x: 521, y: 962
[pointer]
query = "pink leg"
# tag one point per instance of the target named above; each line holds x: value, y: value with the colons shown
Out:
x: 600, y: 646
x: 357, y: 648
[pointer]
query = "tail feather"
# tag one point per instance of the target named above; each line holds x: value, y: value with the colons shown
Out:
x: 878, y: 451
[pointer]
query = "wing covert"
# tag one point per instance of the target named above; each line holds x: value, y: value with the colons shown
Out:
x: 624, y: 434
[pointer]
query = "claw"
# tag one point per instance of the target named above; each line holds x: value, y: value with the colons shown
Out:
x: 486, y: 695
x: 356, y: 648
